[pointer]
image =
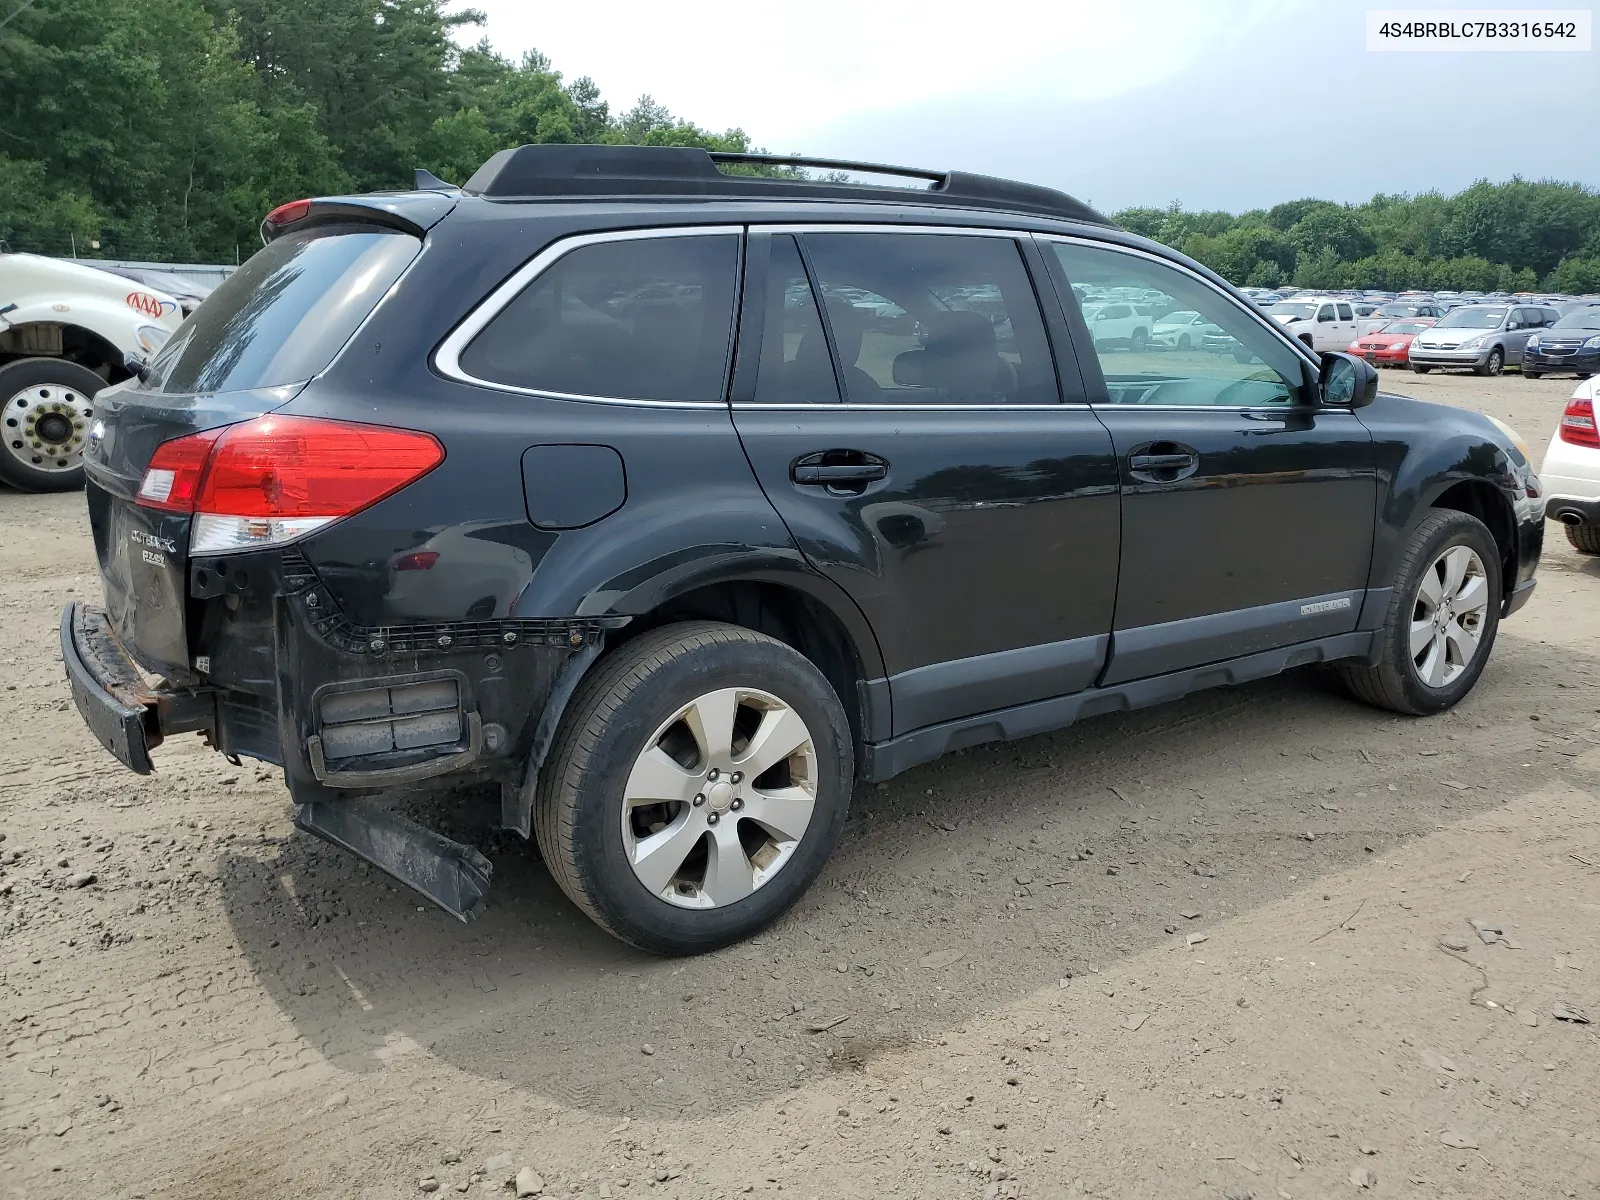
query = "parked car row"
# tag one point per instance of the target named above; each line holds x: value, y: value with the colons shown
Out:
x: 1486, y: 338
x: 1446, y: 331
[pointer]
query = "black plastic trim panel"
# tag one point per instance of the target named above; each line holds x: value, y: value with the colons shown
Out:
x: 886, y: 759
x: 302, y: 590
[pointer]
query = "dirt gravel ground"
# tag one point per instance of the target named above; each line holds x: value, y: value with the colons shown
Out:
x: 1218, y: 949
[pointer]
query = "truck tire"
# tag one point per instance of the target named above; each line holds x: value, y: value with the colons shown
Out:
x: 643, y: 815
x: 45, y: 409
x: 1444, y: 611
x: 1585, y: 539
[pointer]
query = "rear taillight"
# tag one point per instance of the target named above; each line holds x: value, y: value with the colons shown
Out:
x: 1577, y: 424
x: 271, y: 480
x: 172, y: 480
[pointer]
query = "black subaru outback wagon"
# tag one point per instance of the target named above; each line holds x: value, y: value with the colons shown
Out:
x: 675, y: 500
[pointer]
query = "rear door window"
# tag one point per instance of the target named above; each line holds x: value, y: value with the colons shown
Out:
x: 1345, y: 314
x: 933, y: 318
x: 646, y: 318
x: 283, y: 316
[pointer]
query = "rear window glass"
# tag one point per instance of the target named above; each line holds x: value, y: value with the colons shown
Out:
x: 285, y: 314
x: 638, y: 319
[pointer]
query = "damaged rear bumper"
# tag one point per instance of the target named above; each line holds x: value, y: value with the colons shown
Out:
x: 344, y: 725
x: 128, y: 716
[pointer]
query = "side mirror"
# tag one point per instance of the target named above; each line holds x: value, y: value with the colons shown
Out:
x: 1347, y: 381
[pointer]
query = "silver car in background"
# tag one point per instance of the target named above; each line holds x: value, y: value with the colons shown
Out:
x: 1482, y: 338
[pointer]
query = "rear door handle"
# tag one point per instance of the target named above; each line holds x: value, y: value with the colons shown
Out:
x: 839, y: 470
x: 1163, y: 462
x: 840, y: 473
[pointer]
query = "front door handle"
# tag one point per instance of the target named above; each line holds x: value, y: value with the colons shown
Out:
x: 839, y: 470
x: 1160, y: 462
x: 1163, y: 462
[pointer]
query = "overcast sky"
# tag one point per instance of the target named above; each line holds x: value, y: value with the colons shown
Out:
x: 1216, y: 103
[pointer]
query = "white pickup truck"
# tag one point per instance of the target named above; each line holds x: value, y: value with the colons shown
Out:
x: 1321, y: 322
x: 65, y: 332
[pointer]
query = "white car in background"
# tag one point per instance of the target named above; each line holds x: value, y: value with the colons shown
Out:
x: 1570, y: 474
x: 66, y: 331
x: 1117, y: 322
x: 1181, y: 330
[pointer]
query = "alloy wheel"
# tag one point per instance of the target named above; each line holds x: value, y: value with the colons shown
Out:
x: 1447, y: 618
x: 719, y: 798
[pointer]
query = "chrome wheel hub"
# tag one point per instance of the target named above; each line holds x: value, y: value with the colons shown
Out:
x: 719, y: 798
x: 45, y: 425
x: 1447, y: 616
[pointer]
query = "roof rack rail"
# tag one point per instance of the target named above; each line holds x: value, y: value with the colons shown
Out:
x: 824, y: 164
x: 568, y: 171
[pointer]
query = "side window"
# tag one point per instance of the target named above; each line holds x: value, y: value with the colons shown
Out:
x: 795, y: 365
x: 638, y: 319
x: 1325, y: 313
x: 1345, y: 313
x: 1237, y: 363
x: 933, y: 318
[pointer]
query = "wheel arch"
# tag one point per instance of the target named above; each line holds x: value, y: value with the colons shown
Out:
x: 805, y: 612
x: 65, y: 340
x: 1481, y: 499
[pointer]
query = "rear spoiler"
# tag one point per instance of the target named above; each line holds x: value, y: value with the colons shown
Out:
x: 410, y: 212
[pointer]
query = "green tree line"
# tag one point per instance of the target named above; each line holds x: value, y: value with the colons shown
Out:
x: 1515, y: 236
x: 166, y: 129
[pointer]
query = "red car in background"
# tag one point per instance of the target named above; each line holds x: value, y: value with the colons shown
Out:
x: 1387, y: 347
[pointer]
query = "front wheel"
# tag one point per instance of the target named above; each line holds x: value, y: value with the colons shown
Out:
x: 45, y: 409
x: 699, y: 781
x: 1527, y: 374
x: 1444, y: 611
x: 1420, y: 370
x: 1493, y: 364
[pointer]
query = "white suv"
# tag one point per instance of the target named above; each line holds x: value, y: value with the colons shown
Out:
x: 1118, y: 322
x: 1571, y: 470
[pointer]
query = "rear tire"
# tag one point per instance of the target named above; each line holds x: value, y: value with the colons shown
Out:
x: 704, y: 869
x: 1585, y: 539
x: 45, y: 404
x: 1410, y: 635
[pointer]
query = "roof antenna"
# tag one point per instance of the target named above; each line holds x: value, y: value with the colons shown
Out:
x: 427, y: 181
